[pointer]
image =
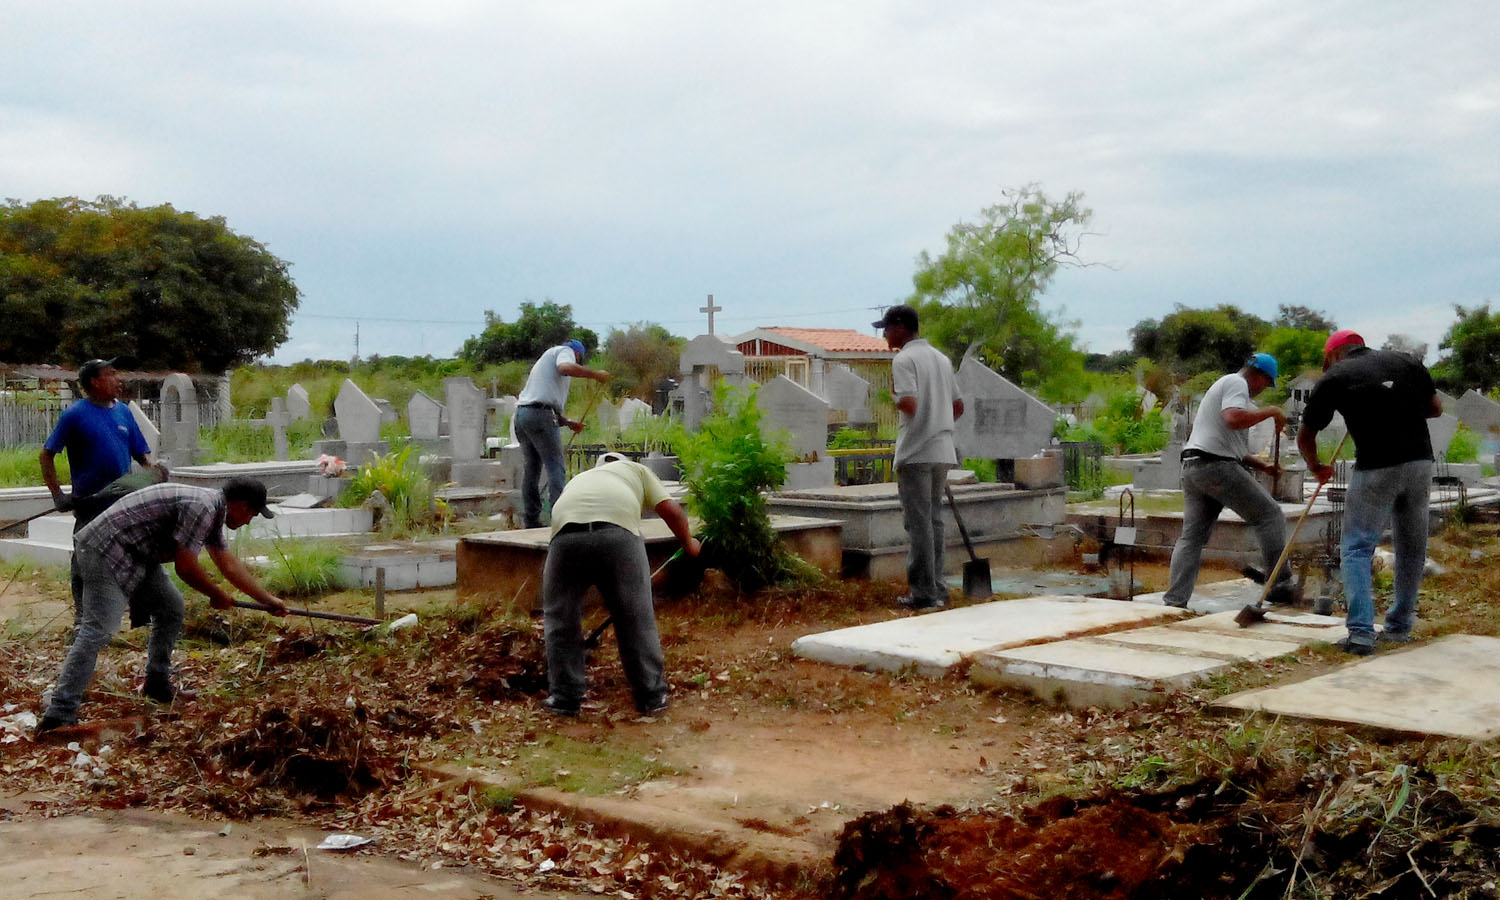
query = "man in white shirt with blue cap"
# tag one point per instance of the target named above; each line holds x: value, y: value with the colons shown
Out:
x: 1216, y: 464
x: 539, y: 414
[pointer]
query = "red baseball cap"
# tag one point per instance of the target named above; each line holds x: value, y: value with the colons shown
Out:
x: 1340, y: 339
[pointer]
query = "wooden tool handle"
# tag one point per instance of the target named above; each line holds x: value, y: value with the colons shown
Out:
x: 309, y: 613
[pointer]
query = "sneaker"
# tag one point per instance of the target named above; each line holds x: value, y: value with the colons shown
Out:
x: 1393, y: 637
x: 915, y: 605
x: 654, y: 708
x: 1182, y: 605
x: 1355, y: 648
x: 560, y: 708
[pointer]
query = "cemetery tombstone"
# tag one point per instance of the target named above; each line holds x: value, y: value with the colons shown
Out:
x: 631, y: 409
x: 467, y: 415
x: 297, y: 403
x: 179, y: 420
x: 803, y: 415
x: 148, y: 428
x: 424, y: 415
x: 846, y: 391
x: 1000, y: 420
x: 278, y: 419
x: 388, y: 412
x: 702, y: 356
x: 359, y: 424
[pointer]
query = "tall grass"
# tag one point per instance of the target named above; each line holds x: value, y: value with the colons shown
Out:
x: 400, y: 478
x: 20, y: 467
x: 238, y: 441
x: 301, y: 568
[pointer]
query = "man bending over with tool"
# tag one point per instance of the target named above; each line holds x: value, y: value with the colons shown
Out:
x: 1215, y: 464
x: 1385, y: 398
x: 539, y: 413
x: 596, y: 542
x: 119, y: 557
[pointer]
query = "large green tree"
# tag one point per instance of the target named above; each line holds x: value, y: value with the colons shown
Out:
x: 155, y: 286
x: 983, y: 293
x: 1472, y: 343
x: 539, y: 327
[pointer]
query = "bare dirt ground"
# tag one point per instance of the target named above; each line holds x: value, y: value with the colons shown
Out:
x: 331, y: 731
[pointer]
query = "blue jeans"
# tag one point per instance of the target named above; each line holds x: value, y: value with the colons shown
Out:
x: 1207, y: 487
x: 920, y: 487
x: 1397, y: 496
x: 103, y: 604
x: 614, y: 560
x: 541, y: 448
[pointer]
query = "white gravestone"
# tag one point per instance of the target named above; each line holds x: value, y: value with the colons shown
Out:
x: 358, y: 416
x: 388, y: 412
x: 278, y: 419
x: 1000, y: 420
x: 179, y: 420
x: 702, y: 355
x: 297, y: 403
x: 787, y: 406
x: 608, y: 416
x: 148, y: 428
x: 424, y: 416
x: 1478, y: 412
x: 847, y: 391
x: 466, y: 413
x: 631, y: 409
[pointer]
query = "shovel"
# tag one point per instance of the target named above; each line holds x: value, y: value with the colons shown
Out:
x: 587, y: 411
x: 1257, y: 611
x: 592, y: 640
x: 977, y: 585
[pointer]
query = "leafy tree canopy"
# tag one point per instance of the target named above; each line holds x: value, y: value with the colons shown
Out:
x: 1189, y: 341
x: 1303, y: 319
x: 640, y: 356
x: 1295, y: 349
x: 983, y: 293
x: 159, y: 288
x: 1473, y: 351
x: 539, y: 328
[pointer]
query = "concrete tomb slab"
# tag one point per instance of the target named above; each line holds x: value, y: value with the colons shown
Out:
x: 1000, y: 420
x: 1448, y: 688
x: 935, y: 642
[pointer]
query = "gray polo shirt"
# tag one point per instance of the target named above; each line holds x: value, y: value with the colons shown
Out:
x: 920, y: 370
x: 1210, y: 434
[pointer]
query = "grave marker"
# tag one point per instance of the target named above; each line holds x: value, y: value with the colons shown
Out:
x: 297, y: 403
x: 278, y: 419
x: 425, y: 416
x: 1000, y: 420
x: 179, y: 420
x: 787, y: 405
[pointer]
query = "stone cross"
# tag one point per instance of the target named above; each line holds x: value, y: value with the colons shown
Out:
x: 279, y: 418
x: 710, y: 309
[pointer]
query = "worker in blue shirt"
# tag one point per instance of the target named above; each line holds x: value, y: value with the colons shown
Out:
x: 100, y: 437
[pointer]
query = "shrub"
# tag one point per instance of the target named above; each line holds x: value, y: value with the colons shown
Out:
x: 728, y: 464
x: 304, y: 568
x: 1464, y: 448
x: 400, y: 478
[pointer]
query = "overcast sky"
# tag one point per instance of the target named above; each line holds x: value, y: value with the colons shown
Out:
x: 419, y: 163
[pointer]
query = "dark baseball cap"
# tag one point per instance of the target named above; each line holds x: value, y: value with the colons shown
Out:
x: 250, y: 492
x: 91, y: 369
x: 900, y: 314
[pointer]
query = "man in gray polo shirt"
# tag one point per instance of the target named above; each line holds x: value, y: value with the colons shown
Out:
x: 539, y: 413
x: 927, y: 399
x: 1215, y: 464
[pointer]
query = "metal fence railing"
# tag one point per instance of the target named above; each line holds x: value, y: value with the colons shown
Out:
x: 1083, y: 464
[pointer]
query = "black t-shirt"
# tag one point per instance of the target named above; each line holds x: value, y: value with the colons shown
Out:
x: 1384, y: 397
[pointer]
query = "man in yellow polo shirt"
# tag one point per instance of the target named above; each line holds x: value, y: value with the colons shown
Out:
x: 596, y: 542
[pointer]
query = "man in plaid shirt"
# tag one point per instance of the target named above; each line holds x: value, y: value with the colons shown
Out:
x: 119, y: 557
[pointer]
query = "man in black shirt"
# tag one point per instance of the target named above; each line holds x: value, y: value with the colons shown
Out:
x: 1386, y: 399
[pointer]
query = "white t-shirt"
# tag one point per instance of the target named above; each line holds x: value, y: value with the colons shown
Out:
x: 546, y: 385
x: 920, y: 370
x: 1210, y: 434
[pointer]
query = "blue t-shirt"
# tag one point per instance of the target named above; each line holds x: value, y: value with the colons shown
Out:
x: 100, y: 443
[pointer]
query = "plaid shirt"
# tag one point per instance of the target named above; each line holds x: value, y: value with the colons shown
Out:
x: 149, y: 526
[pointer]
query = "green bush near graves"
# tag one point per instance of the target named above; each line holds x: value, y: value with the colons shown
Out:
x: 1464, y: 448
x: 404, y: 483
x: 302, y: 568
x: 21, y: 467
x: 728, y: 465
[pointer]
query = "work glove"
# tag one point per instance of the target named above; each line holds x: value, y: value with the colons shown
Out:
x: 62, y: 502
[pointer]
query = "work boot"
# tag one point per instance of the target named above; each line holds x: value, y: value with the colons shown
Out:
x: 48, y: 723
x: 916, y: 605
x: 1355, y: 648
x: 560, y: 707
x: 161, y: 689
x: 654, y: 707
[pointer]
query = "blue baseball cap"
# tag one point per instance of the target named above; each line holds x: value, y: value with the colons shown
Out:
x: 1263, y: 363
x: 577, y: 347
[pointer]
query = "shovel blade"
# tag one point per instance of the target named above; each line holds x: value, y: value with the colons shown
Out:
x: 977, y: 585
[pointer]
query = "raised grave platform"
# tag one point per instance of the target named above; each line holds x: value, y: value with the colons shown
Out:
x: 1005, y: 524
x: 1449, y: 688
x: 935, y: 642
x: 508, y: 564
x: 407, y: 564
x: 280, y: 478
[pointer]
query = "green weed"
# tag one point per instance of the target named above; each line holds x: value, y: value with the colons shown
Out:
x: 400, y: 478
x: 21, y: 467
x: 301, y: 568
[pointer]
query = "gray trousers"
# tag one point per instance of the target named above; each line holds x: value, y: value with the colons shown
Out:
x: 1207, y: 487
x: 541, y: 449
x: 920, y: 487
x: 102, y: 606
x: 613, y: 560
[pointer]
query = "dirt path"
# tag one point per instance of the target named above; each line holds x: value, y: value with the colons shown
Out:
x: 145, y: 855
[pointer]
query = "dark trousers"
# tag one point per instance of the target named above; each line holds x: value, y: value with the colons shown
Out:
x: 613, y: 560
